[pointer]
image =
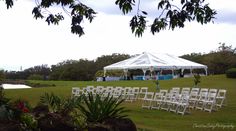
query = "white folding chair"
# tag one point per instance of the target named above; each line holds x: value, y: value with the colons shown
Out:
x: 85, y: 91
x: 175, y: 100
x: 108, y: 91
x: 175, y: 93
x: 202, y: 90
x: 76, y: 91
x: 91, y: 89
x: 194, y: 90
x: 193, y: 98
x: 157, y: 101
x: 117, y: 92
x: 136, y: 92
x: 210, y: 103
x: 220, y: 98
x: 100, y: 90
x: 125, y: 92
x: 128, y: 94
x: 201, y: 101
x: 147, y: 100
x: 175, y: 90
x: 142, y: 92
x: 183, y: 105
x: 174, y: 104
x: 212, y: 91
x: 163, y: 92
x: 167, y: 102
x: 185, y: 91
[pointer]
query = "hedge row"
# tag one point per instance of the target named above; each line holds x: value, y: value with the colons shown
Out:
x: 231, y: 73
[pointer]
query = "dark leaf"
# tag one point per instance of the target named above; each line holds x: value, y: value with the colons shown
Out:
x: 54, y: 19
x: 77, y: 29
x: 145, y: 13
x: 125, y: 5
x: 37, y: 13
x: 9, y: 3
x: 182, y: 1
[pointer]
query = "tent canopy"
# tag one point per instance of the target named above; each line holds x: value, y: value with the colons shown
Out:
x: 148, y: 61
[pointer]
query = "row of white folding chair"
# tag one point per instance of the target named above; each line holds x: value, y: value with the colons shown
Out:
x: 205, y: 100
x: 195, y: 94
x: 176, y: 91
x: 175, y: 102
x: 127, y: 93
x: 210, y: 100
x: 168, y: 102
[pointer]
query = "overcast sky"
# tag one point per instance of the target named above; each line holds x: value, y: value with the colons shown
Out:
x: 27, y: 42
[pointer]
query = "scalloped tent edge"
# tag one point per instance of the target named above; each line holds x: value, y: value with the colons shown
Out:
x: 155, y: 61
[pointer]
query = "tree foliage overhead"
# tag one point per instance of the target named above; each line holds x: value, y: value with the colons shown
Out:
x: 169, y: 13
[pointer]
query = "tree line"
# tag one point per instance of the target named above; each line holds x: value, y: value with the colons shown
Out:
x: 218, y: 62
x: 82, y: 69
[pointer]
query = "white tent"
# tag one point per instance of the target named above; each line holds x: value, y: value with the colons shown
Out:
x: 148, y: 61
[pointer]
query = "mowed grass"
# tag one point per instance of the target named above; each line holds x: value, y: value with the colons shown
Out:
x: 152, y: 120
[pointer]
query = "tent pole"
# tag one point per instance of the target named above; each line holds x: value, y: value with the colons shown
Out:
x: 206, y: 71
x: 104, y: 73
x: 151, y: 71
x: 144, y: 74
x: 125, y: 71
x: 182, y: 71
x: 191, y: 72
x: 173, y: 73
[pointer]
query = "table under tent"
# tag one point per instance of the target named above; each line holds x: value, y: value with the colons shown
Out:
x: 155, y: 62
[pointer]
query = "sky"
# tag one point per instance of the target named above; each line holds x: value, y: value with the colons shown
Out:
x: 26, y: 42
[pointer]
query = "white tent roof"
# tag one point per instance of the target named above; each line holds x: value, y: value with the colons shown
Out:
x: 148, y: 61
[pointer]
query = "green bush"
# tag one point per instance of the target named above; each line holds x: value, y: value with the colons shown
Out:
x: 59, y: 105
x: 34, y: 84
x: 35, y: 77
x: 97, y: 110
x: 231, y: 73
x: 197, y: 79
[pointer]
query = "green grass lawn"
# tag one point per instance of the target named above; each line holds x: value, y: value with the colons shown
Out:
x: 155, y: 119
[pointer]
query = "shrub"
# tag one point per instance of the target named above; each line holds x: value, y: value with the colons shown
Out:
x: 6, y: 112
x: 90, y: 112
x: 97, y: 110
x: 35, y: 77
x: 59, y: 105
x: 197, y: 79
x: 231, y: 73
x: 33, y: 84
x: 28, y: 122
